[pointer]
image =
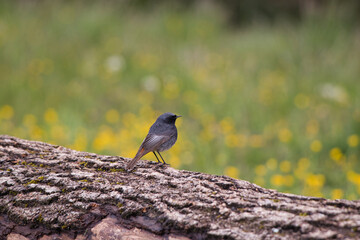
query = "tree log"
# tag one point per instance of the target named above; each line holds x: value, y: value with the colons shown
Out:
x: 52, y: 192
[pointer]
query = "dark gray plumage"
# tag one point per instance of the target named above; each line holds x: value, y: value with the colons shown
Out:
x: 162, y: 136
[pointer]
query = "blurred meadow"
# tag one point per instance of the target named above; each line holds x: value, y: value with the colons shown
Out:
x: 275, y: 103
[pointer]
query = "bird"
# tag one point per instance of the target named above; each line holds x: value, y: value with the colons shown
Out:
x: 162, y: 136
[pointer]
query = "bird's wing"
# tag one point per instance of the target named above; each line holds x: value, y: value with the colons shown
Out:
x: 150, y: 143
x: 153, y: 141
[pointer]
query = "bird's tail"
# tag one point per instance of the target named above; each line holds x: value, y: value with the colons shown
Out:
x: 132, y: 163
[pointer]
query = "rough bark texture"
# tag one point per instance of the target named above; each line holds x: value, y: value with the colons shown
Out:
x: 51, y: 192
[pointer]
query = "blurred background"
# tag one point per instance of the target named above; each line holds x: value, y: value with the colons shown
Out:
x: 269, y: 90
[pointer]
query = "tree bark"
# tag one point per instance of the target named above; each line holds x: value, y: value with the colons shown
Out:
x: 52, y: 192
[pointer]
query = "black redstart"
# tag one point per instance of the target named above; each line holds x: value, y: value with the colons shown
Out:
x: 162, y: 136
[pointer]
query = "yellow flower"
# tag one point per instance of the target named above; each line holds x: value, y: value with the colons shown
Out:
x: 51, y: 116
x: 104, y: 139
x: 131, y: 152
x: 189, y: 97
x: 200, y: 74
x: 207, y: 134
x: 277, y: 180
x: 227, y: 125
x: 256, y: 141
x: 288, y: 180
x: 196, y: 110
x: 315, y: 180
x: 235, y: 140
x: 6, y: 112
x: 260, y: 170
x: 231, y: 140
x: 242, y: 140
x: 353, y: 177
x: 231, y: 172
x: 353, y: 140
x: 36, y: 133
x: 314, y: 192
x: 316, y: 146
x: 147, y: 61
x: 259, y: 181
x: 58, y: 132
x: 301, y: 101
x: 284, y: 135
x: 304, y: 163
x: 174, y: 161
x: 302, y: 166
x: 285, y: 166
x: 336, y: 154
x: 351, y: 197
x: 171, y: 90
x: 187, y: 157
x: 29, y: 120
x: 147, y: 112
x: 112, y: 116
x: 271, y: 164
x: 312, y: 127
x: 299, y: 173
x: 337, y: 193
x: 128, y: 119
x: 80, y: 142
x: 265, y: 95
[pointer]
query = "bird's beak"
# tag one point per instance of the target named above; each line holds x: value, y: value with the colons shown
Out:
x: 177, y: 116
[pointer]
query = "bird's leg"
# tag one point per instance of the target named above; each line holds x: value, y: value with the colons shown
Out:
x: 156, y: 157
x: 162, y: 158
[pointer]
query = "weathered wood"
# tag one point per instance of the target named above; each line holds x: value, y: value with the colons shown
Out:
x: 51, y: 192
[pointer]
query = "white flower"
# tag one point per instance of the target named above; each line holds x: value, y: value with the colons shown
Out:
x: 151, y: 83
x: 114, y: 63
x: 334, y: 92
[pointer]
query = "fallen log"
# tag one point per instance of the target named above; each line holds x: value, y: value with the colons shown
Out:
x: 52, y: 192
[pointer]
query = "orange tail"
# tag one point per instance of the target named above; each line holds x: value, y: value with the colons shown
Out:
x: 132, y: 163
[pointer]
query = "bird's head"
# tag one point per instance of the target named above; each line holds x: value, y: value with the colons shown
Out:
x: 168, y: 117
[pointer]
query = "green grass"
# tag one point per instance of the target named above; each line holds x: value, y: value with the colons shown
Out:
x: 247, y: 95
